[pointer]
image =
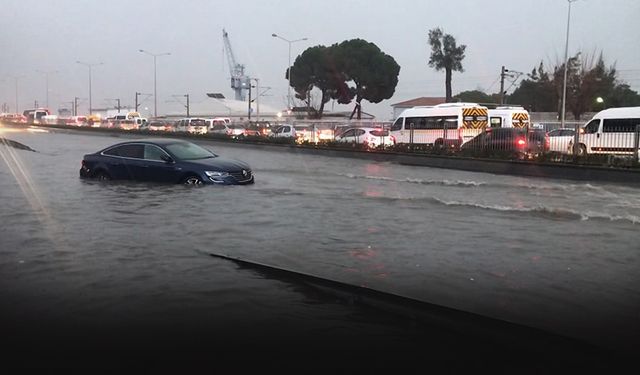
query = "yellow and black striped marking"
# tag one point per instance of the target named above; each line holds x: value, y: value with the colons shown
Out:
x: 474, y: 118
x: 520, y: 120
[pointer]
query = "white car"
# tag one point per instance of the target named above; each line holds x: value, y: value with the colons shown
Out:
x: 372, y: 137
x: 560, y: 139
x: 284, y: 131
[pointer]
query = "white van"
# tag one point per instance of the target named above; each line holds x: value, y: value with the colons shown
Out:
x: 444, y: 124
x: 612, y: 131
x: 509, y: 117
x: 192, y: 125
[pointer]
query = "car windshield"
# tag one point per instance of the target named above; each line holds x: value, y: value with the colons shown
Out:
x: 198, y: 123
x: 189, y: 151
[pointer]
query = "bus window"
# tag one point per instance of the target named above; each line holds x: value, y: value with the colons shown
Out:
x: 496, y: 122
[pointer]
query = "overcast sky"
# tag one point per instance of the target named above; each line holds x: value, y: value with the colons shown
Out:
x: 52, y: 35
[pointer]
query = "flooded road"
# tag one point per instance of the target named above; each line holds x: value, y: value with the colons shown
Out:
x: 550, y: 254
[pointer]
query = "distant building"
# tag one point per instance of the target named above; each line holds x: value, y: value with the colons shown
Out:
x: 422, y: 101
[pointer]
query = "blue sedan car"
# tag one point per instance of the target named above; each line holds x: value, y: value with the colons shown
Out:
x: 164, y: 160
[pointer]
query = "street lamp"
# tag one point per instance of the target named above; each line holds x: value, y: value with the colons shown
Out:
x: 46, y: 77
x: 155, y: 91
x: 16, y: 78
x: 289, y: 101
x: 564, y: 82
x: 89, y: 66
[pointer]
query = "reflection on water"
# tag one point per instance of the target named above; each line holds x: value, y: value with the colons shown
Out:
x: 550, y: 254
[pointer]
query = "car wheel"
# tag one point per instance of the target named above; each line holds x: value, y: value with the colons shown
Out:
x: 582, y: 151
x: 192, y: 180
x: 102, y: 176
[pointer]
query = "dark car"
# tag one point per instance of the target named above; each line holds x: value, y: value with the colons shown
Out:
x: 164, y: 160
x: 518, y: 142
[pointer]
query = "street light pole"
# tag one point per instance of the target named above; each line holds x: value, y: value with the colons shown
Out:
x: 155, y: 78
x: 289, y: 100
x: 566, y: 57
x: 89, y: 66
x: 46, y: 78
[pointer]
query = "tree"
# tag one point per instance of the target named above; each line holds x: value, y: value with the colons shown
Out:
x: 315, y: 67
x: 474, y: 96
x: 622, y: 96
x: 373, y: 74
x: 352, y: 69
x: 537, y: 92
x: 445, y: 54
x: 588, y: 78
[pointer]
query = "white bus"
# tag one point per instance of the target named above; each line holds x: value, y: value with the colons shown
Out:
x: 450, y: 124
x: 509, y: 117
x: 612, y: 131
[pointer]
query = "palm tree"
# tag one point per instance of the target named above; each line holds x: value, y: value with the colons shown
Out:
x: 445, y: 54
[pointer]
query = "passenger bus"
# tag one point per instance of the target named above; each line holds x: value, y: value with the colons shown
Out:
x: 509, y: 117
x: 450, y: 124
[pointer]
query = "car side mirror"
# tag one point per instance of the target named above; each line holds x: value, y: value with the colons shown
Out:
x: 168, y: 159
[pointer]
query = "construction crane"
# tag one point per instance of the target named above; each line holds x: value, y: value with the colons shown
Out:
x: 239, y: 81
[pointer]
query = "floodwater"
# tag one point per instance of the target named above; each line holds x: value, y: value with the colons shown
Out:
x: 91, y: 258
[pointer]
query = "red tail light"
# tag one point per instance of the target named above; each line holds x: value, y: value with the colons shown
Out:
x: 521, y: 142
x: 547, y: 143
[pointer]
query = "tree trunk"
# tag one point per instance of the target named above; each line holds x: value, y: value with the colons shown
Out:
x: 356, y: 109
x: 322, y: 100
x: 447, y: 84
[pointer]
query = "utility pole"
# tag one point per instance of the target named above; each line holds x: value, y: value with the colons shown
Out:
x: 75, y: 106
x: 88, y: 65
x: 249, y: 109
x: 502, y: 75
x: 46, y: 75
x: 137, y: 93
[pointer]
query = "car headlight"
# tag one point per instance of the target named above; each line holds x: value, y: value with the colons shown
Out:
x: 216, y: 174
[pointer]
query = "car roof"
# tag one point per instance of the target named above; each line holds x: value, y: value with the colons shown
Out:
x: 156, y: 141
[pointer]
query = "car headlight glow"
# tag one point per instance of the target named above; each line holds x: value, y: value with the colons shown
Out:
x: 216, y: 174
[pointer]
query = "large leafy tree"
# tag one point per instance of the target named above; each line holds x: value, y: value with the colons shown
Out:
x: 370, y: 73
x: 351, y: 69
x: 445, y: 55
x: 316, y: 68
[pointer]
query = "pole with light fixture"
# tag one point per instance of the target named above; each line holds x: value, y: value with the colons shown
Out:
x: 155, y: 78
x: 89, y: 66
x: 289, y: 100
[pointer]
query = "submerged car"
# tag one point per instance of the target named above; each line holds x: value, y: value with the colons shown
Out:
x: 164, y: 160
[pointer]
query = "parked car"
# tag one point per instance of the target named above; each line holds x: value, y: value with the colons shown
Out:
x: 283, y: 131
x: 516, y: 141
x: 77, y: 121
x: 192, y: 125
x: 232, y: 130
x: 164, y: 160
x: 560, y: 139
x: 307, y: 133
x: 371, y: 137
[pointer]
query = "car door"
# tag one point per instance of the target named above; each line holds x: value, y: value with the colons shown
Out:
x: 348, y: 136
x: 155, y: 166
x: 359, y: 136
x: 132, y: 157
x: 120, y: 161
